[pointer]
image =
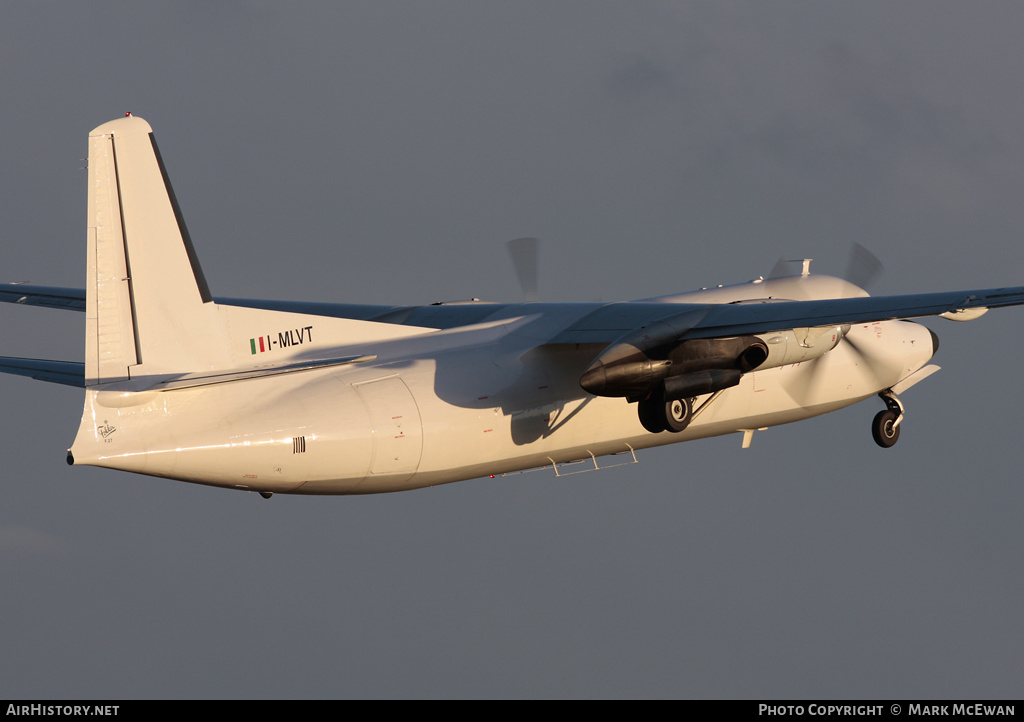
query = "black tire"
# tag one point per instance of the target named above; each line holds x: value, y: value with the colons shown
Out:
x: 677, y: 414
x: 652, y: 413
x: 882, y: 429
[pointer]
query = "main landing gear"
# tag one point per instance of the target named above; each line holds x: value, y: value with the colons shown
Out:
x: 657, y: 414
x: 885, y: 428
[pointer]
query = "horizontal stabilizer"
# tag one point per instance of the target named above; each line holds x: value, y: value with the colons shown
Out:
x: 193, y: 380
x: 72, y: 373
x: 72, y: 299
x: 69, y: 373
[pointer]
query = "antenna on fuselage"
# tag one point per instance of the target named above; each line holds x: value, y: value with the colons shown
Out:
x: 779, y: 269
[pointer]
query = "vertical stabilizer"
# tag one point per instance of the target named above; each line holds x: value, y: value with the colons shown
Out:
x: 148, y: 308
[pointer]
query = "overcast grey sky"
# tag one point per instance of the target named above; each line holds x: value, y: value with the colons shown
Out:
x: 383, y: 152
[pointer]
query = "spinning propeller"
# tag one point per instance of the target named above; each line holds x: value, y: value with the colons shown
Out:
x: 525, y: 253
x: 863, y: 269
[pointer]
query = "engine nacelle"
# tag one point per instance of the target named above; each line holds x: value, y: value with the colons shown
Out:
x: 636, y: 366
x: 624, y: 370
x: 800, y: 344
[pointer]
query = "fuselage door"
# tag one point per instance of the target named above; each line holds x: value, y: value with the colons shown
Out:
x: 397, y: 430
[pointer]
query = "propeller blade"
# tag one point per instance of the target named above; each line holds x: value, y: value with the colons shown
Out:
x: 805, y: 387
x: 864, y: 268
x: 525, y: 254
x: 864, y: 355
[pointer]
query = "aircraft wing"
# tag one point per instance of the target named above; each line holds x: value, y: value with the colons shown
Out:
x: 604, y: 324
x: 690, y: 321
x: 736, y: 319
x: 607, y: 323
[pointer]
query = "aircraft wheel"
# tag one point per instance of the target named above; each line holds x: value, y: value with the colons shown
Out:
x: 678, y: 413
x: 883, y: 429
x: 652, y: 413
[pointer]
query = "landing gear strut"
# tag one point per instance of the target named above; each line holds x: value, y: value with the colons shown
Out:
x: 657, y: 415
x: 885, y: 428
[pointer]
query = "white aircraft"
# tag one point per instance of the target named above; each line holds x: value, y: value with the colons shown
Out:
x: 312, y: 398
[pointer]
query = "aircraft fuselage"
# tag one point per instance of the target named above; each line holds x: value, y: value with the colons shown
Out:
x: 452, y: 405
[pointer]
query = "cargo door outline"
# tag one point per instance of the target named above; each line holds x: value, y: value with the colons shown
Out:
x: 395, y: 421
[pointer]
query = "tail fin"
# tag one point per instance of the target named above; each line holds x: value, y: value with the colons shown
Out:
x: 149, y: 312
x: 148, y: 308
